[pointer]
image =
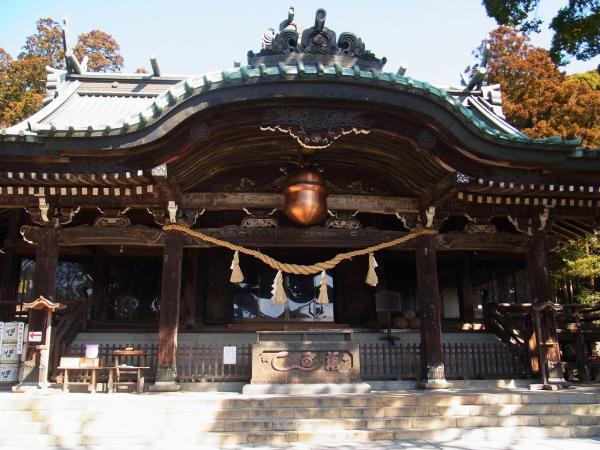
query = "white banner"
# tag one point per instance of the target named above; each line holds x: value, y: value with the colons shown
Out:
x: 20, y: 337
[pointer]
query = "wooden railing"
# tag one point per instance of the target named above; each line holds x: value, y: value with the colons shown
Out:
x: 382, y: 361
x: 204, y: 362
x: 195, y: 362
x: 379, y: 361
x: 512, y: 323
x: 483, y: 360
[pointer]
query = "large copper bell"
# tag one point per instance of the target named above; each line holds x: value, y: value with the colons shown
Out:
x: 305, y: 197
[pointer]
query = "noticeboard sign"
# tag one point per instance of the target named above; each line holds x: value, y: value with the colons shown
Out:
x: 34, y: 336
x: 229, y: 354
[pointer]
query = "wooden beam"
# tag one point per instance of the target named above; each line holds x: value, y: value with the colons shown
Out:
x: 437, y: 193
x: 86, y: 235
x: 221, y: 201
x: 279, y: 237
x: 500, y: 242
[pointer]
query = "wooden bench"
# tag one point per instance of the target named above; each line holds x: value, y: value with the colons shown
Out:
x: 126, y: 374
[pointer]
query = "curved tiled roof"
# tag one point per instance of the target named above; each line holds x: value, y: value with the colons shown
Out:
x: 76, y: 112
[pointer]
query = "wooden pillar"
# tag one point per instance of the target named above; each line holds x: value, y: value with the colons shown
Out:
x: 168, y: 322
x: 432, y: 357
x: 540, y: 288
x: 466, y: 306
x: 9, y: 261
x: 44, y: 284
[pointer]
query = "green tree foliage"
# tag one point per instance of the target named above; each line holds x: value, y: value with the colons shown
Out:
x: 592, y: 78
x: 538, y: 98
x: 576, y: 26
x: 23, y: 80
x: 579, y: 262
x: 576, y: 30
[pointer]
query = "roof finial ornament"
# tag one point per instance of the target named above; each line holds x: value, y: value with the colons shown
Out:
x: 320, y: 17
x: 315, y: 45
x: 72, y: 65
x: 64, y: 33
x: 155, y: 67
x: 478, y: 70
x: 289, y: 24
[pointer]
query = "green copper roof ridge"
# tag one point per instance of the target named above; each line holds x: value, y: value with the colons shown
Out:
x: 187, y: 88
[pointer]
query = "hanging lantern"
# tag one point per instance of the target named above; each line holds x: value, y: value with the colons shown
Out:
x: 305, y: 197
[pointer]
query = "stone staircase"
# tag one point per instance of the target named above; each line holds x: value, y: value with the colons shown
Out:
x: 213, y: 419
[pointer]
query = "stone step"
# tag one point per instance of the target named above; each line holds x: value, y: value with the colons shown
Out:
x: 179, y: 424
x: 498, y: 434
x: 97, y: 433
x: 191, y: 401
x: 153, y: 413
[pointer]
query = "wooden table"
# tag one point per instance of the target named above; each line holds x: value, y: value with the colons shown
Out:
x: 92, y: 382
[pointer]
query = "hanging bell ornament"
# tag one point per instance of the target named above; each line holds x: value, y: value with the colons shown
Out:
x: 305, y: 197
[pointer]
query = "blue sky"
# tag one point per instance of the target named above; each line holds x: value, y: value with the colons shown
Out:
x: 434, y: 38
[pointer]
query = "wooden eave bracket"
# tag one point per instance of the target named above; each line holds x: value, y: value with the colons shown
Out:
x: 175, y: 215
x: 428, y: 217
x: 528, y: 225
x: 43, y: 214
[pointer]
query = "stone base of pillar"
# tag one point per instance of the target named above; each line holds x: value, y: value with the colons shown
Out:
x: 435, y: 384
x: 545, y: 387
x: 36, y: 389
x: 25, y: 387
x: 435, y: 378
x: 164, y: 386
x: 166, y: 380
x: 555, y: 373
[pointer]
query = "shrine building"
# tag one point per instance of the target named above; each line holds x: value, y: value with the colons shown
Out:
x: 192, y: 216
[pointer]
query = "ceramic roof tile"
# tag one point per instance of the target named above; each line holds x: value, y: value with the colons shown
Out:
x: 83, y: 110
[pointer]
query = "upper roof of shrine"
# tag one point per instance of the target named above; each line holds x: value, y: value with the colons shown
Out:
x: 88, y: 105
